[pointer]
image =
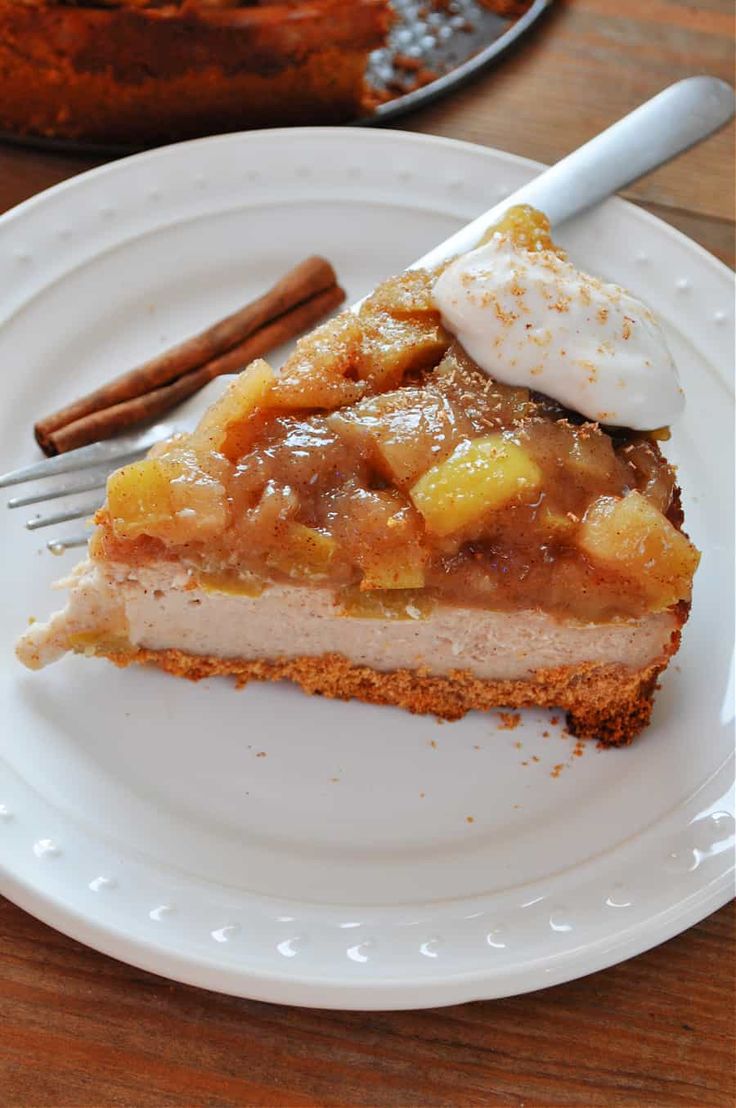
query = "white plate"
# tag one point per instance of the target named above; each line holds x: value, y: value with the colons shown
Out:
x: 313, y: 852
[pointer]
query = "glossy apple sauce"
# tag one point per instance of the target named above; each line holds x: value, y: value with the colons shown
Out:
x: 383, y: 464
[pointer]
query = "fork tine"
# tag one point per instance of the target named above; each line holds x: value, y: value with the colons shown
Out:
x: 63, y: 517
x: 58, y: 546
x: 96, y: 482
x: 115, y: 451
x: 67, y: 463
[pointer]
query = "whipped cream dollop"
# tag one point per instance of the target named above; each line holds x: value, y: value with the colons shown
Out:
x: 531, y: 318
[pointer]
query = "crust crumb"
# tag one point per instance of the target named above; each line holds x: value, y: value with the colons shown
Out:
x: 508, y: 721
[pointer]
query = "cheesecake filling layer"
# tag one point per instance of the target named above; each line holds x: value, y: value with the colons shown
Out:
x: 112, y: 608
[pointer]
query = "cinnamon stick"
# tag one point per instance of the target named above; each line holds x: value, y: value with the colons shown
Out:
x: 306, y: 280
x: 106, y: 422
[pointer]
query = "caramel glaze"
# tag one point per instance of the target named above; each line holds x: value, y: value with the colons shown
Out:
x: 345, y: 470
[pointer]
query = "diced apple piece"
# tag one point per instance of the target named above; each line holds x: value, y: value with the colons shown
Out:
x: 396, y: 569
x: 399, y: 604
x: 527, y: 227
x: 277, y: 503
x: 405, y: 296
x: 302, y: 552
x: 470, y: 390
x: 480, y: 476
x: 168, y: 497
x: 197, y: 499
x: 228, y: 426
x: 632, y: 537
x: 139, y: 499
x: 97, y: 641
x: 320, y: 372
x: 394, y: 347
x: 383, y: 535
x: 408, y: 442
x: 405, y: 431
x: 406, y: 447
x: 653, y: 479
x: 167, y: 445
x: 591, y: 456
x: 231, y: 584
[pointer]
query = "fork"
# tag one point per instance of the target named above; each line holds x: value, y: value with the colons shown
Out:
x: 677, y: 118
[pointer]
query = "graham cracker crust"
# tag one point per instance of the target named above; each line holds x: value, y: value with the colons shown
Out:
x: 609, y: 703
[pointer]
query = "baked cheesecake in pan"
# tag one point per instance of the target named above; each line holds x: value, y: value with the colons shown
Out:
x: 137, y: 71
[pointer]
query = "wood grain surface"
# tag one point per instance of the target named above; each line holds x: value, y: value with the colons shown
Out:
x: 81, y: 1030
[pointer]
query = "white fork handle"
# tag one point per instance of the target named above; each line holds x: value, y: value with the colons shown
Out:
x: 675, y: 119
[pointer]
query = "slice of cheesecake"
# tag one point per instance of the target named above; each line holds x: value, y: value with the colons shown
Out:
x: 385, y: 521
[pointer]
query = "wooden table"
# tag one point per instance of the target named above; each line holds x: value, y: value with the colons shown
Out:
x: 80, y: 1029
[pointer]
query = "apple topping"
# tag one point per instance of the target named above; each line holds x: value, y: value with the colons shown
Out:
x: 480, y: 476
x: 168, y: 497
x: 632, y: 537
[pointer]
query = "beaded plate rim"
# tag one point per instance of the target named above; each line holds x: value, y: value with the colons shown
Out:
x: 642, y: 891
